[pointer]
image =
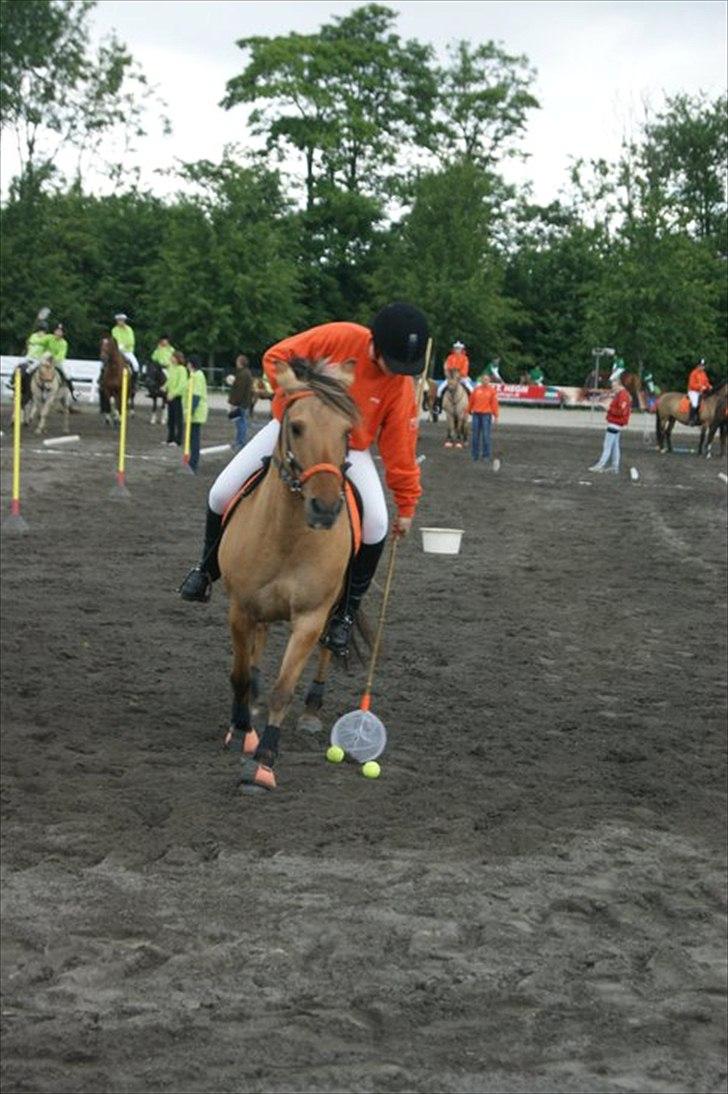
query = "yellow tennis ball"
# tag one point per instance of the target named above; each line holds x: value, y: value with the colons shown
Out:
x: 334, y: 754
x: 371, y: 770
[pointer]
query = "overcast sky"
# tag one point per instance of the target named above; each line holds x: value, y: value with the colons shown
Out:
x: 596, y: 61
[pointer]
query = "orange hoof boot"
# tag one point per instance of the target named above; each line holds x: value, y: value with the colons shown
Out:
x: 238, y: 740
x: 458, y: 444
x: 447, y: 444
x: 256, y: 777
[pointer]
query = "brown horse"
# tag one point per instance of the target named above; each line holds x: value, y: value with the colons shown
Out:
x: 455, y: 405
x: 671, y: 407
x: 113, y: 364
x: 285, y: 550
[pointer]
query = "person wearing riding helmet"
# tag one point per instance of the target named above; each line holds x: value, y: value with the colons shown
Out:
x: 456, y: 361
x: 58, y: 346
x: 37, y: 343
x: 387, y: 354
x: 125, y: 339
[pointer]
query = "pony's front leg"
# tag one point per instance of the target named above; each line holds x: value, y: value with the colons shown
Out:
x: 257, y: 772
x: 42, y: 418
x: 241, y: 734
x: 310, y: 720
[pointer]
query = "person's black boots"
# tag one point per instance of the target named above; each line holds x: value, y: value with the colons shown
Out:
x: 198, y: 583
x: 694, y: 419
x: 341, y: 623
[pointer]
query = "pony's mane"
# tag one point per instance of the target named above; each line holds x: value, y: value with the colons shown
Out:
x: 328, y: 388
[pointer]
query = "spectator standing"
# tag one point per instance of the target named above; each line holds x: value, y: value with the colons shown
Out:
x: 174, y: 388
x: 618, y: 414
x: 240, y: 399
x: 483, y: 408
x: 199, y: 409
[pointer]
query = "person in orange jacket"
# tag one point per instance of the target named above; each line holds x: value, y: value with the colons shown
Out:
x: 387, y: 354
x: 698, y: 384
x: 483, y: 408
x: 457, y: 361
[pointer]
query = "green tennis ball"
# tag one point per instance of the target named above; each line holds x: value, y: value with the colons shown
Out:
x: 334, y: 754
x: 371, y: 770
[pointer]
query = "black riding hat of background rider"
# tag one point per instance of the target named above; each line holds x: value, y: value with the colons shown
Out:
x: 400, y: 334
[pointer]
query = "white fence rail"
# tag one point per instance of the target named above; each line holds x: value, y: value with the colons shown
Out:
x: 83, y: 374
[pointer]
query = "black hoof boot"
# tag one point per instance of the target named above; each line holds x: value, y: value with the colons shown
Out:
x: 196, y: 586
x: 338, y: 634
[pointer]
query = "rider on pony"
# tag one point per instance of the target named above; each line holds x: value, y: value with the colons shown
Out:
x: 456, y: 361
x: 123, y: 334
x: 698, y: 385
x: 41, y: 342
x: 386, y: 356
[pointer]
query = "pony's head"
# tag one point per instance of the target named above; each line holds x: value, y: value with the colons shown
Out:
x: 318, y: 417
x: 46, y: 368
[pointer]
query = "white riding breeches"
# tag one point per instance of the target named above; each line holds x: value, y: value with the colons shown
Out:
x: 131, y: 359
x: 362, y: 473
x: 694, y: 397
x: 463, y: 380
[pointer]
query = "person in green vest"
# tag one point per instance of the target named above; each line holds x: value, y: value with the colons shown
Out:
x: 174, y: 388
x: 125, y: 340
x: 37, y: 343
x: 199, y: 409
x: 164, y: 352
x: 536, y: 376
x: 58, y: 346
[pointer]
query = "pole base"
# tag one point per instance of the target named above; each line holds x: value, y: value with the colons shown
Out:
x: 15, y: 524
x: 119, y: 492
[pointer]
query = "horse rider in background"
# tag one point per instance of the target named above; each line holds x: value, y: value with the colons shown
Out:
x: 164, y: 352
x: 456, y: 361
x: 123, y: 335
x: 698, y: 385
x: 386, y: 356
x: 58, y: 346
x: 41, y: 342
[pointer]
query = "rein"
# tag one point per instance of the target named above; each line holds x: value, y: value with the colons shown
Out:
x: 291, y: 473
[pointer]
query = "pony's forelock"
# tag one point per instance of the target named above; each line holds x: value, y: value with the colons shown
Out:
x: 316, y: 375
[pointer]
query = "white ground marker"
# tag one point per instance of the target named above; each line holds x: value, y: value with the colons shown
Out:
x: 722, y: 475
x: 61, y: 440
x: 214, y: 448
x: 634, y: 474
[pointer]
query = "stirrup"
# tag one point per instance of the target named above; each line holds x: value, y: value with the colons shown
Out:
x: 197, y: 585
x: 338, y: 634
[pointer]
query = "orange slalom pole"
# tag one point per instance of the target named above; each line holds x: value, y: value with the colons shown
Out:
x: 120, y: 471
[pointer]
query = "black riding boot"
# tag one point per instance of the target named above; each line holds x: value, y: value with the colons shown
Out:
x: 198, y: 583
x: 694, y: 419
x: 341, y: 623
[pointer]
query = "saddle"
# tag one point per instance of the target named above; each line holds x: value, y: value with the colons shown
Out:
x: 351, y: 496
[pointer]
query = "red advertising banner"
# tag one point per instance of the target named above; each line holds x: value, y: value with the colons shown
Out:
x: 530, y: 394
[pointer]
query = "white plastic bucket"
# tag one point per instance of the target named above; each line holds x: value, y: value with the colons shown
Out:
x: 441, y: 541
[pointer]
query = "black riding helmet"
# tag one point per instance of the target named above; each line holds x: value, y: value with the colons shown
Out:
x: 400, y: 336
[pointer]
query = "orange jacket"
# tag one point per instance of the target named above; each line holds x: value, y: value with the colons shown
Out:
x: 386, y: 402
x: 698, y: 380
x: 458, y: 359
x: 484, y: 400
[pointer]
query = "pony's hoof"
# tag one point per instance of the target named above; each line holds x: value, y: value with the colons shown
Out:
x: 255, y: 777
x: 237, y: 740
x: 309, y: 723
x: 447, y: 444
x: 458, y: 445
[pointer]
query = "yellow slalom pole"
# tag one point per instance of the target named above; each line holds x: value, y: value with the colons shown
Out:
x: 188, y: 421
x: 121, y: 473
x: 17, y: 411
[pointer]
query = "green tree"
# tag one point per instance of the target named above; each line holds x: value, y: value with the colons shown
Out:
x: 443, y: 257
x: 348, y: 99
x: 55, y: 93
x: 226, y: 275
x: 482, y: 104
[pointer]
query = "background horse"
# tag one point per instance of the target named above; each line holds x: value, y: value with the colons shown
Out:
x: 284, y: 553
x: 113, y: 363
x: 455, y: 405
x: 154, y: 379
x: 47, y: 391
x: 674, y: 406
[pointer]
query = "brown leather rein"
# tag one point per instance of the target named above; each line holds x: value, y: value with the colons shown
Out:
x: 292, y: 474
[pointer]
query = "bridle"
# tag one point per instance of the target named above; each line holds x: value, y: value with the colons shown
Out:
x: 292, y: 474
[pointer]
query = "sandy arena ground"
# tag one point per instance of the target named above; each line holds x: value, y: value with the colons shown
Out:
x: 530, y: 898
